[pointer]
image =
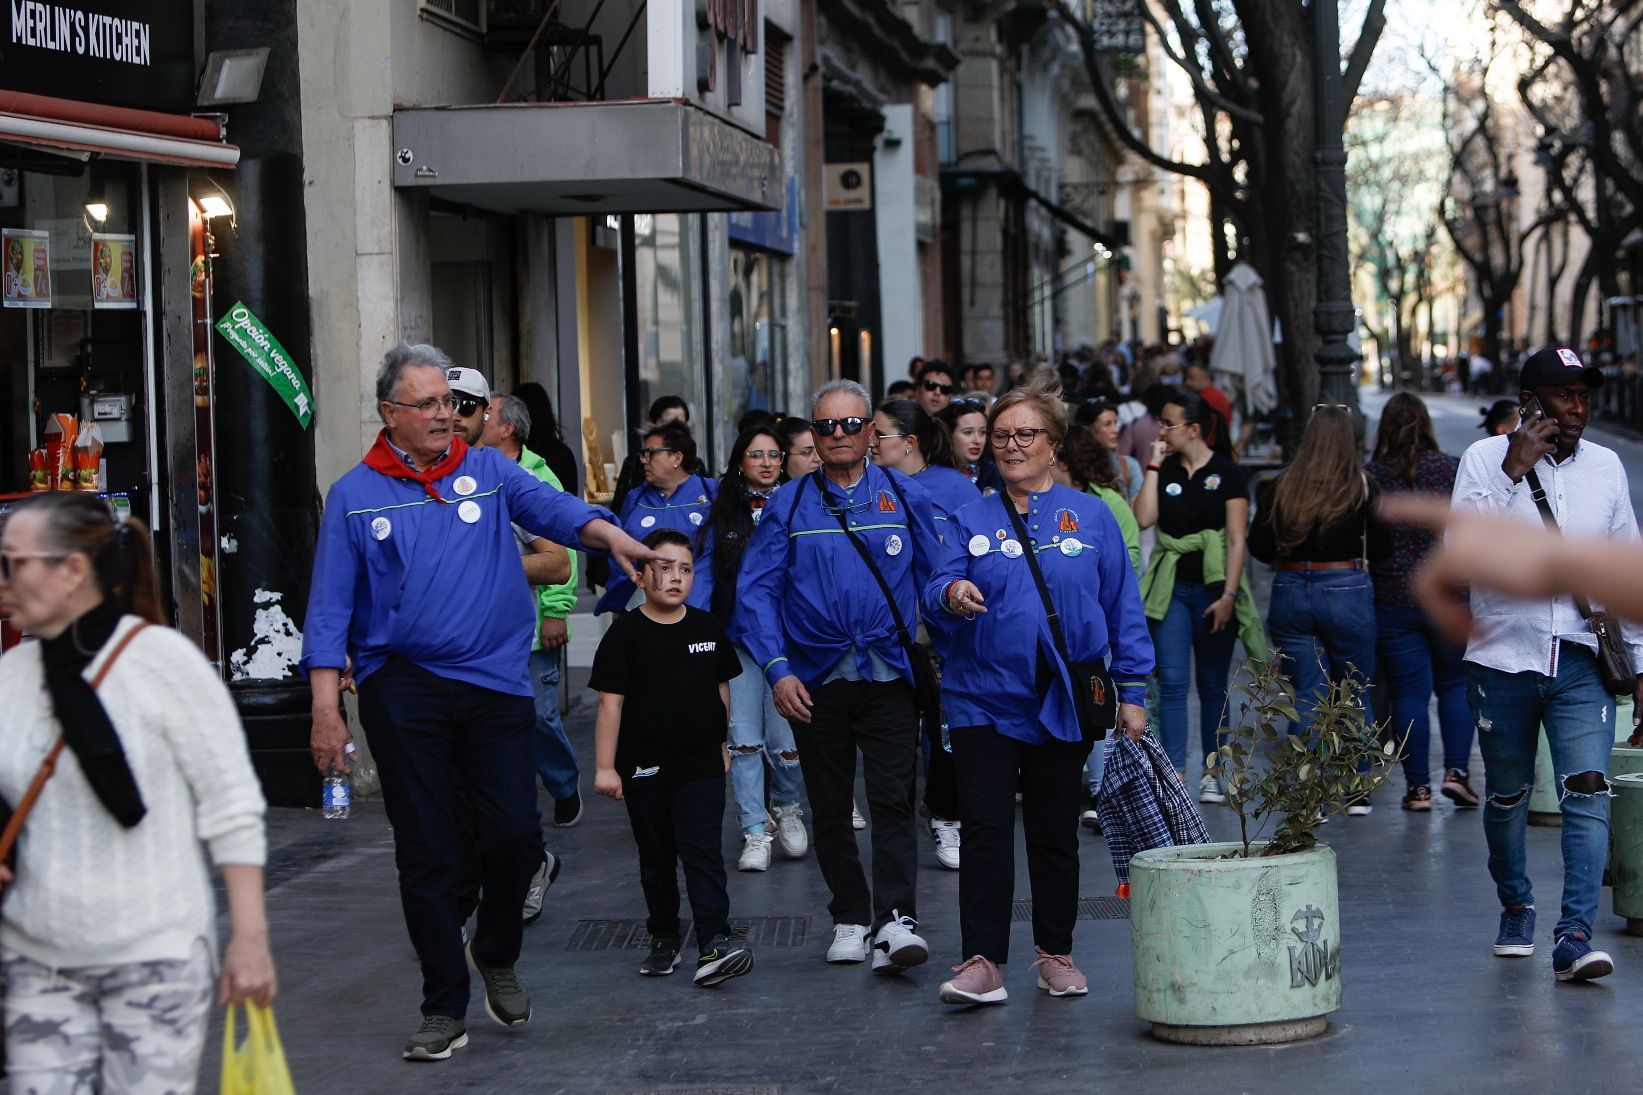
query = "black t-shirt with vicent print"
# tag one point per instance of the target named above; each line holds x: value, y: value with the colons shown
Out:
x: 668, y: 675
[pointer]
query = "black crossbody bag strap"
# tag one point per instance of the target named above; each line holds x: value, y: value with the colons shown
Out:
x: 1538, y: 493
x: 1038, y: 580
x: 872, y: 567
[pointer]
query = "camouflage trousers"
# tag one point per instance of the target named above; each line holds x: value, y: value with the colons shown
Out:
x: 136, y: 1028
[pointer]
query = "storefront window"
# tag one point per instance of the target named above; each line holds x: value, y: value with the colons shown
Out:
x: 753, y: 375
x: 667, y: 258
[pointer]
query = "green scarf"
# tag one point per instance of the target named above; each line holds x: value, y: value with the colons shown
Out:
x: 1158, y: 584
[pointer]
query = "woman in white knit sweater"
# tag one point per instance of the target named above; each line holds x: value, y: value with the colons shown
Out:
x: 107, y: 926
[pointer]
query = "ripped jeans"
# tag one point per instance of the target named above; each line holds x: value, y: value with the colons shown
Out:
x: 1578, y: 713
x: 757, y: 732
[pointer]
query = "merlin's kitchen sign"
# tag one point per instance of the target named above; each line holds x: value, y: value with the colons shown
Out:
x: 734, y: 24
x: 136, y: 53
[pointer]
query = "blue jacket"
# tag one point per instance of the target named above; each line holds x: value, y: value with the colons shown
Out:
x: 805, y: 596
x: 644, y: 511
x: 992, y: 662
x: 438, y: 584
x: 948, y: 489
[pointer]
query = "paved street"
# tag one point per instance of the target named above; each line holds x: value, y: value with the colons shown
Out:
x: 1427, y: 1006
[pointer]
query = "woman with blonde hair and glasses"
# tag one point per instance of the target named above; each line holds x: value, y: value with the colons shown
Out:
x: 1316, y: 523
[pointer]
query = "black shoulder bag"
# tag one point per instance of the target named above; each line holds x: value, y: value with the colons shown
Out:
x: 1094, y: 697
x: 1614, y: 661
x: 926, y: 688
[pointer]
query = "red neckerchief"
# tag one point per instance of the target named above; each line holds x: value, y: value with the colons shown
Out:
x: 381, y: 458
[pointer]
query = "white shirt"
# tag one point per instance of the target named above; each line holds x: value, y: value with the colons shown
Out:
x: 1589, y: 495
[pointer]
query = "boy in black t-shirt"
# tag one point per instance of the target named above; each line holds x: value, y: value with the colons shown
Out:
x: 661, y: 674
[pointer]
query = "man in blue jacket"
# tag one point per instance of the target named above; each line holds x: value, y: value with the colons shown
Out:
x: 812, y: 615
x: 422, y: 524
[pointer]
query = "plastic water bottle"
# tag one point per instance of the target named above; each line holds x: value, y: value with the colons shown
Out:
x: 336, y: 793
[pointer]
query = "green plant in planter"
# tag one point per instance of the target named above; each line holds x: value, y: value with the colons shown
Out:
x: 1271, y: 773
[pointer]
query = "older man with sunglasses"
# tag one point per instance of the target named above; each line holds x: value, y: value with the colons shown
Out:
x: 812, y: 613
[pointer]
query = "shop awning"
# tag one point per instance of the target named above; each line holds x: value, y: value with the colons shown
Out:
x: 576, y: 159
x: 113, y: 131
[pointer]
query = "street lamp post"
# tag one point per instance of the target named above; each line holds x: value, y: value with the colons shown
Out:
x: 1332, y: 315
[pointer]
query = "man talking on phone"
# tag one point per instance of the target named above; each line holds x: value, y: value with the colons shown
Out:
x: 1534, y: 662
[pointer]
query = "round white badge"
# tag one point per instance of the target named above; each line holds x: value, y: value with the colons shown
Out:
x: 892, y: 546
x: 1173, y: 490
x: 464, y: 485
x: 381, y: 527
x: 1011, y: 548
x: 646, y: 522
x: 695, y: 518
x: 980, y: 545
x: 468, y: 511
x: 1072, y: 547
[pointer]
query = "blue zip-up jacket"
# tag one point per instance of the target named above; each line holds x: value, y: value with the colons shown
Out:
x: 805, y: 596
x: 992, y: 662
x: 644, y: 511
x: 949, y: 489
x: 438, y: 584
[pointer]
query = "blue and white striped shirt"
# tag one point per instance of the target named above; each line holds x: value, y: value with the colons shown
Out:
x: 1590, y: 497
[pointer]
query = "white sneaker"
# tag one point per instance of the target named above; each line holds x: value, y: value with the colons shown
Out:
x: 1359, y: 807
x: 849, y: 943
x: 896, y: 947
x: 790, y: 829
x: 946, y: 835
x: 755, y: 852
x: 1209, y: 789
x: 857, y: 822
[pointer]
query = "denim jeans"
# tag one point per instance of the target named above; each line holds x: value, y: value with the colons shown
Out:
x: 1415, y: 660
x: 555, y: 759
x: 1180, y: 638
x: 1579, y: 717
x: 757, y: 732
x: 1323, y: 623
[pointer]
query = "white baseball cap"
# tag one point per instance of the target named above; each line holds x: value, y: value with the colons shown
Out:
x: 469, y: 382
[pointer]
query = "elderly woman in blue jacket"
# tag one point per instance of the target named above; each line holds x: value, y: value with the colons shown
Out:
x: 1008, y: 695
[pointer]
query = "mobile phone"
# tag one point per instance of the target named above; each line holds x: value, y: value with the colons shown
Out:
x: 1531, y: 408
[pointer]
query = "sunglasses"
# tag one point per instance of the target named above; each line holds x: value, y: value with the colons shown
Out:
x: 467, y: 405
x: 9, y: 563
x: 824, y: 427
x: 968, y: 406
x: 938, y: 386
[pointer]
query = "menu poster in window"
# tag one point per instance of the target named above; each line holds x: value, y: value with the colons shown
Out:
x: 25, y: 259
x: 113, y: 271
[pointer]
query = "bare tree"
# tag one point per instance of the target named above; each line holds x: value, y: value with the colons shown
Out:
x: 1250, y: 63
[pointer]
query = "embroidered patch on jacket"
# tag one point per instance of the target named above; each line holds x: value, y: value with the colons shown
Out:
x: 887, y: 502
x: 1066, y: 520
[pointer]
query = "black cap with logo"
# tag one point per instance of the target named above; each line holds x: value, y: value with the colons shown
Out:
x: 1556, y: 365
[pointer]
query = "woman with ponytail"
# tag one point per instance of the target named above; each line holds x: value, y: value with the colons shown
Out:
x: 108, y: 959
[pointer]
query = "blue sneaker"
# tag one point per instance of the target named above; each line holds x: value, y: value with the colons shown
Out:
x: 1517, y: 932
x: 1573, y: 959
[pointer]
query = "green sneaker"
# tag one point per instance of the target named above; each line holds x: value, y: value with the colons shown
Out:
x: 505, y: 998
x: 435, y: 1038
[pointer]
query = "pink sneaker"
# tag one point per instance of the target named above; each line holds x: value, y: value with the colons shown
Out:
x: 1058, y: 976
x: 978, y: 982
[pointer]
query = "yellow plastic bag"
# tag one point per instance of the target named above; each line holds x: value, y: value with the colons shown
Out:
x: 255, y: 1066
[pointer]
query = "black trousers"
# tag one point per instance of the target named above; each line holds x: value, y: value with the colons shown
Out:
x: 676, y: 823
x: 991, y: 768
x: 445, y: 749
x: 877, y: 718
x: 940, y: 781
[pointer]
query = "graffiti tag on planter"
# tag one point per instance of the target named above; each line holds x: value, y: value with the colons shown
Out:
x: 1312, y: 961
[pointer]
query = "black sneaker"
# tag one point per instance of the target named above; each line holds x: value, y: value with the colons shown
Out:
x: 435, y: 1038
x: 663, y: 956
x: 567, y: 811
x: 540, y: 881
x: 721, y: 960
x: 506, y: 1000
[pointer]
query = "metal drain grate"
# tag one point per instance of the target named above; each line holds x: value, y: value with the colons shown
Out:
x: 716, y: 1089
x: 756, y: 931
x: 1089, y: 908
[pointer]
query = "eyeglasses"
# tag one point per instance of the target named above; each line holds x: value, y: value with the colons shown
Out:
x: 467, y: 405
x: 824, y: 427
x: 646, y: 454
x: 762, y: 454
x: 1023, y: 438
x: 938, y: 386
x: 8, y: 563
x: 428, y: 406
x: 883, y: 436
x: 1165, y: 427
x: 1329, y: 406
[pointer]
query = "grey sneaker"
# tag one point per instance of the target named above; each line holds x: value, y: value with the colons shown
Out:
x: 506, y: 1000
x: 435, y: 1038
x: 720, y: 960
x: 540, y: 881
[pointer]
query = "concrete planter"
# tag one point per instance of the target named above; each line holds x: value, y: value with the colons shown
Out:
x: 1626, y: 848
x: 1235, y: 951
